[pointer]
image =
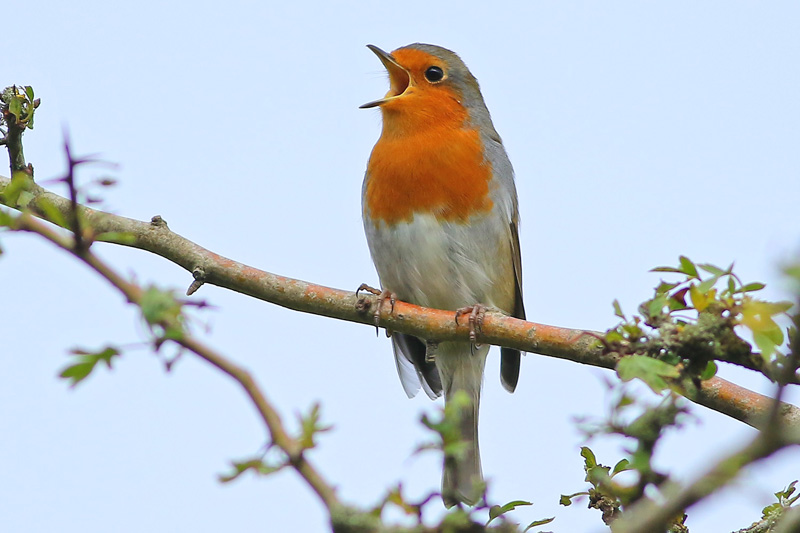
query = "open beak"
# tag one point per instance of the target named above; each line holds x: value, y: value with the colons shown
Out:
x: 399, y: 79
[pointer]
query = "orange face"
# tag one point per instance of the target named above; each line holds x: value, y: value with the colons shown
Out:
x: 420, y: 94
x: 429, y: 158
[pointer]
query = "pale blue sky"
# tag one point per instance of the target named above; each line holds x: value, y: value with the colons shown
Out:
x: 638, y: 131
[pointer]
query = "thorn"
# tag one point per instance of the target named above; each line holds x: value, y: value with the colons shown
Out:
x: 367, y: 288
x: 199, y: 279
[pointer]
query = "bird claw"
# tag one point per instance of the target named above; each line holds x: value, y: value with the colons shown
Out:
x: 382, y: 296
x: 367, y: 288
x: 477, y: 313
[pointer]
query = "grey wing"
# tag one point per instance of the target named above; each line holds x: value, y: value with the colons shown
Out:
x: 413, y: 369
x: 506, y: 198
x: 510, y: 358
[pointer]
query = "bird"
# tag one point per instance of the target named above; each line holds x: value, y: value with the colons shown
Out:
x: 441, y: 218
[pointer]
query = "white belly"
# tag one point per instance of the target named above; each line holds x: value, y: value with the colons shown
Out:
x: 445, y: 265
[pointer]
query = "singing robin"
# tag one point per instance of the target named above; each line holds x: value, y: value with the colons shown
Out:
x: 441, y: 217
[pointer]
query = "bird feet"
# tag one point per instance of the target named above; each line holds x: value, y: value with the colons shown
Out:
x: 431, y: 347
x: 476, y: 313
x: 382, y: 297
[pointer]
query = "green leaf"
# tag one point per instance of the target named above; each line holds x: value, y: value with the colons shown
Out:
x: 20, y: 182
x: 687, y: 267
x: 87, y: 361
x: 785, y: 493
x: 757, y: 315
x: 781, y: 307
x: 29, y: 92
x: 77, y: 372
x: 538, y: 523
x: 621, y: 466
x: 656, y: 306
x: 497, y: 510
x: 652, y: 371
x: 6, y: 218
x: 667, y: 269
x: 160, y: 308
x: 311, y: 426
x: 750, y: 287
x: 793, y: 271
x: 256, y: 466
x: 566, y: 499
x: 618, y: 310
x: 448, y: 427
x: 15, y: 107
x: 589, y: 459
x: 699, y: 298
x: 665, y: 287
x: 709, y: 372
x: 706, y: 285
x: 599, y: 475
x: 712, y: 269
x: 633, y: 331
x: 765, y: 344
x: 771, y: 511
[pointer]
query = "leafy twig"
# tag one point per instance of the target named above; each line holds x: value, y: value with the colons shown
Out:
x: 176, y: 333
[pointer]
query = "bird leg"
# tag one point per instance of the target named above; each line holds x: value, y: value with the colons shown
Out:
x: 382, y: 297
x: 431, y: 347
x: 477, y: 313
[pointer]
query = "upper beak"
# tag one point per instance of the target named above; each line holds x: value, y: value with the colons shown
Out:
x: 399, y: 79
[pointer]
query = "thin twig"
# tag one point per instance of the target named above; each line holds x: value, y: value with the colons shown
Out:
x: 74, y: 215
x: 133, y: 293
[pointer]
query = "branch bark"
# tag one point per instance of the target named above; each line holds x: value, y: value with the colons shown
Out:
x: 208, y: 267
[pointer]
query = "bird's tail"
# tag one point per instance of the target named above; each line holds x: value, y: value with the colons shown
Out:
x: 462, y: 480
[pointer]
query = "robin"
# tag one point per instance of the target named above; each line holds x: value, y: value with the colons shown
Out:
x: 440, y: 215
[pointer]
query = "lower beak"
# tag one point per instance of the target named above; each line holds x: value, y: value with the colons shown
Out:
x: 399, y: 79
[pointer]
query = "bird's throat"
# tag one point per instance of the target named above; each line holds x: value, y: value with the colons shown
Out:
x: 438, y: 169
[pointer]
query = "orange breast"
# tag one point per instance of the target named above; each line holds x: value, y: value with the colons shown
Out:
x: 437, y: 169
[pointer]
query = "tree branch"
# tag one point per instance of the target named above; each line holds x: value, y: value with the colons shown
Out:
x: 134, y: 294
x: 207, y: 267
x: 646, y: 515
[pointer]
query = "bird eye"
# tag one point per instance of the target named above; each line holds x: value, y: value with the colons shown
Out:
x: 434, y: 74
